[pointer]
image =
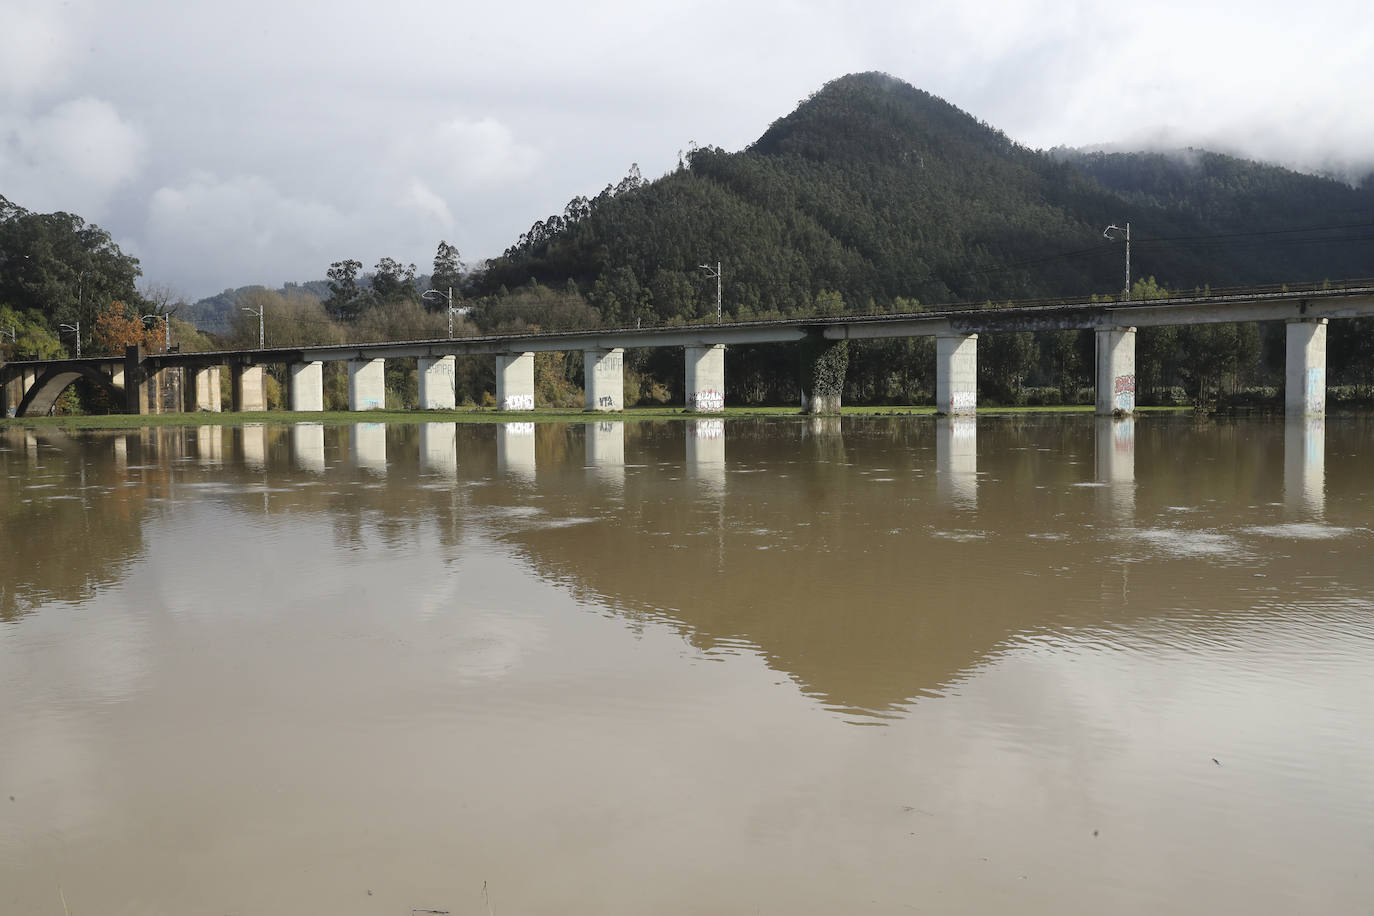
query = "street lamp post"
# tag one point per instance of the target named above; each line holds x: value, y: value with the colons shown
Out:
x: 1126, y: 234
x: 714, y: 274
x: 167, y: 330
x: 75, y: 329
x: 449, y: 300
x: 262, y: 335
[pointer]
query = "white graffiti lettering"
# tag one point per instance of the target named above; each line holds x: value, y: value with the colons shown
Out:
x: 708, y: 400
x: 518, y: 402
x: 961, y: 401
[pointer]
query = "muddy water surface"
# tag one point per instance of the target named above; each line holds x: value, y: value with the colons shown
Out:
x: 1019, y: 665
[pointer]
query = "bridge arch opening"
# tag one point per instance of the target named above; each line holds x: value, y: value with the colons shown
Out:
x: 38, y: 401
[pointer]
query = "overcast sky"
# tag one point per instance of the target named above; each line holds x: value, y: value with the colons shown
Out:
x: 257, y: 142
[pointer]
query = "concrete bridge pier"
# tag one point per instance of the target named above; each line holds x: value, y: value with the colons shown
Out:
x: 248, y: 387
x: 167, y: 390
x: 1114, y: 380
x: 1304, y: 390
x: 437, y: 377
x: 956, y: 374
x: 367, y: 384
x: 515, y: 381
x: 11, y: 391
x: 171, y: 387
x: 305, y: 388
x: 153, y: 389
x: 202, y: 389
x: 135, y: 391
x: 603, y: 377
x: 823, y: 365
x: 706, y: 378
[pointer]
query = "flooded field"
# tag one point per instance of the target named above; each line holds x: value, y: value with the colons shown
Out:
x: 1038, y: 665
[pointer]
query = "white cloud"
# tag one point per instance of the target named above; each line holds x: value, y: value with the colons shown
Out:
x: 209, y: 232
x: 35, y: 47
x: 421, y: 199
x: 71, y: 158
x: 461, y: 155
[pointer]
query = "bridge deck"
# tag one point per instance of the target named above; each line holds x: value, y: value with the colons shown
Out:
x: 1348, y: 301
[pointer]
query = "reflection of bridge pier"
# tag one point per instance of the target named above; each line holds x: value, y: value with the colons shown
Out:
x: 705, y: 456
x: 439, y: 448
x: 1304, y: 467
x: 606, y: 450
x: 1114, y: 465
x: 825, y: 435
x: 307, y: 447
x: 209, y: 446
x: 252, y: 445
x: 369, y: 447
x: 515, y: 450
x: 956, y: 460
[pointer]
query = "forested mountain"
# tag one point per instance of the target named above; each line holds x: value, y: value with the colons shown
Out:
x: 873, y: 193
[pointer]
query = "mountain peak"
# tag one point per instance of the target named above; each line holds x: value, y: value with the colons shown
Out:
x: 875, y: 116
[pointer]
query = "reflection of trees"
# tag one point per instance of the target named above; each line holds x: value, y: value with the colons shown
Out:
x: 833, y: 551
x: 74, y: 506
x: 70, y: 527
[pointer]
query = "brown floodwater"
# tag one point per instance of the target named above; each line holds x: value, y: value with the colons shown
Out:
x: 1039, y: 665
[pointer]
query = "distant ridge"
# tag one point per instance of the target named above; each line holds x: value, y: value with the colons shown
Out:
x: 872, y: 193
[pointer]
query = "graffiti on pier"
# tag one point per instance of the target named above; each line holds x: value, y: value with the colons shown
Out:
x: 1123, y: 393
x: 1315, y: 393
x: 708, y: 399
x: 518, y: 402
x: 963, y: 401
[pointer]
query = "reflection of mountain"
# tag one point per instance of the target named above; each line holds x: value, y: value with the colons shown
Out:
x: 842, y: 553
x: 845, y: 562
x: 836, y: 555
